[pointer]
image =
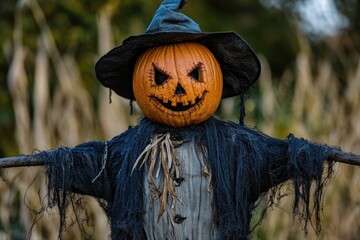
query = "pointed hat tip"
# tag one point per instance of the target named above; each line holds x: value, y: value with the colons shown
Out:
x: 182, y: 3
x: 174, y: 5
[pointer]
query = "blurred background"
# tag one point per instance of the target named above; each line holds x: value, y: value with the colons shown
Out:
x: 49, y: 97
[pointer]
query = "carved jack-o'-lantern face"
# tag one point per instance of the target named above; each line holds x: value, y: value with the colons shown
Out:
x: 178, y: 84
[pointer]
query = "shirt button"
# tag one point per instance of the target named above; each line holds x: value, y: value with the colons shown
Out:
x: 178, y: 181
x: 179, y: 219
x: 176, y: 139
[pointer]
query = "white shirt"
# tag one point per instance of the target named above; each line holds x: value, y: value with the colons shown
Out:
x: 193, y: 216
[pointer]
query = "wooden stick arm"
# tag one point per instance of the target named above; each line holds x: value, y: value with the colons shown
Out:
x: 344, y: 157
x: 32, y: 160
x: 21, y: 161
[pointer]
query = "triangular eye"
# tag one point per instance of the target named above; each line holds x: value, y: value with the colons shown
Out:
x: 195, y: 73
x: 159, y: 76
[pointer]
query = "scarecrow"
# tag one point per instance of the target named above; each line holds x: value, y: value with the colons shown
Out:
x: 181, y: 173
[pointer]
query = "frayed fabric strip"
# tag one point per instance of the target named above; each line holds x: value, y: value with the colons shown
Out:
x: 104, y: 162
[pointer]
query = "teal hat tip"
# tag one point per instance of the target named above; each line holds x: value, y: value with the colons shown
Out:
x: 168, y: 19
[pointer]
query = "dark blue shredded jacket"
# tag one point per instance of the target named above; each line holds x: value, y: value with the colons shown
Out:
x: 245, y: 165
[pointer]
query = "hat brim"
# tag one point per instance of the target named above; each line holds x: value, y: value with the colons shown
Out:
x: 238, y: 62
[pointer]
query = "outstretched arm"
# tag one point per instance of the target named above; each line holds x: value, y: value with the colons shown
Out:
x: 298, y: 158
x: 301, y: 162
x: 82, y: 169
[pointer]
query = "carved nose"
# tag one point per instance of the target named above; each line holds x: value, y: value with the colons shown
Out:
x: 179, y: 90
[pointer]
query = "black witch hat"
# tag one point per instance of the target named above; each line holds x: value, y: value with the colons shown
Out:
x: 239, y: 64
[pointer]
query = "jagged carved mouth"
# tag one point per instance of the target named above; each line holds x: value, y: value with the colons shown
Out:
x: 179, y: 107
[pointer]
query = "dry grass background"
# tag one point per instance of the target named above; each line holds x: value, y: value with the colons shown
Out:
x: 319, y: 109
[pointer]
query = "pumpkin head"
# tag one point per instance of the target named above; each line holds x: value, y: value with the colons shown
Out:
x: 178, y: 84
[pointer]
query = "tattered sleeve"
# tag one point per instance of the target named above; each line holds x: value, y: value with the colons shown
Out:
x: 97, y: 169
x: 82, y: 169
x: 295, y: 159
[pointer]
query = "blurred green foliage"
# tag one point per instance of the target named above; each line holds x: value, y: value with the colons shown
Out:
x: 73, y: 25
x: 270, y: 31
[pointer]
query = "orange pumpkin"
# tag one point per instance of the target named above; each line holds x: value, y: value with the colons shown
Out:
x: 178, y: 84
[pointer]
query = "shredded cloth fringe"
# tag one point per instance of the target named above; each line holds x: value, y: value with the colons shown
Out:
x: 246, y: 166
x: 160, y: 157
